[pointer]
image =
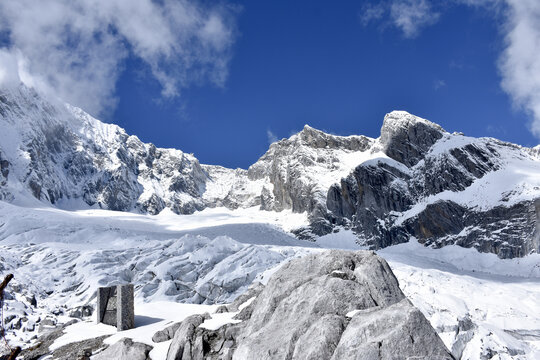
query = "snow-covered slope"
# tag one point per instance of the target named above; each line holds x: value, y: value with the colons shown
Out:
x: 478, y: 303
x: 60, y: 257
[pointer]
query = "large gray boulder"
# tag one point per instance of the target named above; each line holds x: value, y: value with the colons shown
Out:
x: 332, y: 305
x: 399, y: 331
x: 125, y: 349
x: 183, y: 340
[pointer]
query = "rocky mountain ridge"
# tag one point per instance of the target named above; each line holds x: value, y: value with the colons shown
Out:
x: 415, y: 180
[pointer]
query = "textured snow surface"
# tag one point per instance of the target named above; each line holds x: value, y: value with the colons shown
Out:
x: 62, y: 256
x: 453, y: 284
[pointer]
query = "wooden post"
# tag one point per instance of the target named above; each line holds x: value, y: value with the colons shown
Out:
x: 14, y: 353
x: 4, y: 284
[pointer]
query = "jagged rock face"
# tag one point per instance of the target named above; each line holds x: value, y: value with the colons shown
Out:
x: 332, y: 305
x: 500, y: 230
x: 4, y: 173
x: 457, y: 168
x: 367, y: 196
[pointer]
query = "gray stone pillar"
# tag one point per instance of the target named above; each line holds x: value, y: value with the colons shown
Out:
x: 102, y: 297
x: 115, y: 306
x: 106, y: 305
x: 125, y: 314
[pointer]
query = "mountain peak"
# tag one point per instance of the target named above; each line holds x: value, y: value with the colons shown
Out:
x: 401, y: 118
x: 319, y: 139
x: 311, y: 130
x: 406, y: 137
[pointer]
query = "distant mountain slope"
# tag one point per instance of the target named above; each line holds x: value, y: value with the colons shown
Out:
x: 442, y: 189
x: 415, y: 180
x: 62, y: 156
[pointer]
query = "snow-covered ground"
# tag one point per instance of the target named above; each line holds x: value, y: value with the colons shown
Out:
x: 453, y: 284
x: 481, y: 305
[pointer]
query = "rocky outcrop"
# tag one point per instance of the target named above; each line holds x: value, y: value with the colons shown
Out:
x: 506, y: 231
x: 4, y: 173
x: 69, y: 156
x: 332, y: 305
x: 182, y: 345
x: 40, y: 348
x: 166, y: 334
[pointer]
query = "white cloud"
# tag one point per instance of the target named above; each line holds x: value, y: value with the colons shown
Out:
x: 272, y: 138
x: 519, y: 63
x: 371, y: 12
x: 76, y: 49
x: 437, y: 84
x: 410, y: 16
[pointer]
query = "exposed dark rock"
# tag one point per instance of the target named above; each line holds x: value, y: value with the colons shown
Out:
x: 506, y: 231
x: 373, y: 199
x: 81, y: 312
x: 183, y: 341
x: 44, y: 341
x: 80, y: 350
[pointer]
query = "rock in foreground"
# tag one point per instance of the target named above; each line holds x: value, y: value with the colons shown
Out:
x: 331, y: 305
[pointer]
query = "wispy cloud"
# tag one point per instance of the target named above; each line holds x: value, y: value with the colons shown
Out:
x: 519, y: 63
x: 409, y: 16
x: 272, y: 138
x: 437, y: 84
x: 496, y: 129
x: 77, y: 49
x: 371, y: 12
x: 412, y: 15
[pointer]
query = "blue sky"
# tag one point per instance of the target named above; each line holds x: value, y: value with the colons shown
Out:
x: 329, y: 65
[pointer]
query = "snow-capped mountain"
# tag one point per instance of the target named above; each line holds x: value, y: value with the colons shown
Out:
x: 415, y: 180
x: 442, y: 188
